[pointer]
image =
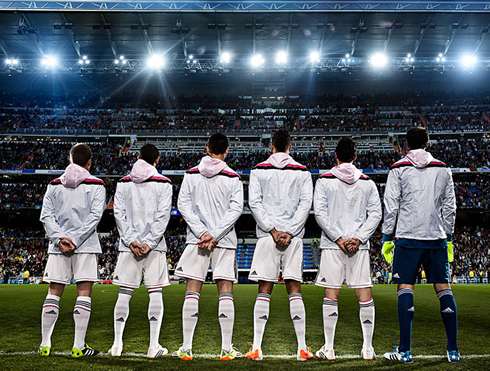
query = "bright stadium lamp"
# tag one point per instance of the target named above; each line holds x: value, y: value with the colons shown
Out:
x: 378, y: 60
x: 314, y: 57
x: 155, y: 62
x: 257, y: 60
x: 49, y: 61
x: 281, y: 57
x: 225, y: 58
x: 468, y: 61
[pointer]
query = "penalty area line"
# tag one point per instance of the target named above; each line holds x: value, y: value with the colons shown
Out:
x: 271, y: 356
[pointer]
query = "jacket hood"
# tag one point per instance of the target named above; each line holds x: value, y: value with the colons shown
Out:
x: 141, y: 171
x: 420, y: 158
x: 74, y: 175
x: 209, y: 166
x: 346, y: 172
x: 280, y: 160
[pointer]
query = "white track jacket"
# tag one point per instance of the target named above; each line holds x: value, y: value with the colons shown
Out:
x: 211, y: 200
x: 142, y: 206
x: 72, y: 207
x: 280, y: 195
x: 419, y: 198
x: 347, y: 205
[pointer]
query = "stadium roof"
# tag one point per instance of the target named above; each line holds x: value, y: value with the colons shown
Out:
x: 106, y: 35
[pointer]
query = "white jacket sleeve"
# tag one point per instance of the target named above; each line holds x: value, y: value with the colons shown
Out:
x: 449, y: 205
x: 374, y: 216
x: 184, y: 205
x: 161, y: 218
x: 392, y: 202
x: 48, y: 218
x: 120, y: 214
x: 255, y: 198
x: 322, y: 217
x: 232, y: 214
x: 304, y: 207
x: 93, y: 219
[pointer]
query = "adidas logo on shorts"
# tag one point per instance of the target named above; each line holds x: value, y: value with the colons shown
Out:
x: 396, y: 275
x: 264, y: 317
x: 367, y: 322
x: 46, y: 274
x: 116, y: 278
x: 222, y: 315
x: 120, y: 319
x: 296, y: 318
x: 153, y: 319
x: 334, y: 314
x: 50, y: 312
x: 179, y: 269
x: 254, y: 273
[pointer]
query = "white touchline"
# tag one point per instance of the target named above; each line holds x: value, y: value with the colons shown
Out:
x: 277, y: 356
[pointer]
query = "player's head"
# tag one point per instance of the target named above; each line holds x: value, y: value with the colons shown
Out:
x: 218, y: 144
x: 281, y: 141
x: 80, y: 154
x: 149, y: 153
x: 417, y: 138
x: 346, y: 150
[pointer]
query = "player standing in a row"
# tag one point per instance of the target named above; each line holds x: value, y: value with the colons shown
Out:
x: 72, y: 208
x: 348, y: 210
x: 142, y: 206
x: 421, y: 206
x: 280, y: 196
x: 210, y: 201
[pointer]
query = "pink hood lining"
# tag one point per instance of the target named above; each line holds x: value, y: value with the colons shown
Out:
x: 210, y: 167
x: 420, y: 158
x: 74, y: 175
x: 280, y: 160
x: 141, y: 171
x: 346, y: 172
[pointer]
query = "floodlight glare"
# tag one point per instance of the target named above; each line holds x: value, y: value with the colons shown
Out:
x: 87, y: 61
x: 155, y: 62
x: 124, y: 61
x: 116, y: 61
x: 257, y: 60
x: 84, y: 57
x: 225, y: 57
x: 8, y: 61
x: 49, y: 61
x: 378, y: 60
x: 15, y: 61
x: 121, y: 57
x: 347, y: 55
x: 191, y: 56
x: 281, y: 57
x: 440, y: 55
x: 80, y: 61
x: 469, y: 60
x: 314, y: 57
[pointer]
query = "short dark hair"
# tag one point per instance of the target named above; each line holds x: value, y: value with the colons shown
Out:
x: 80, y: 154
x: 218, y: 144
x: 417, y: 138
x: 346, y: 150
x: 149, y: 153
x: 281, y: 140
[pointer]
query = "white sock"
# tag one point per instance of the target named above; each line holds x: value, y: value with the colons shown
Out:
x: 261, y: 315
x: 330, y: 317
x: 49, y: 316
x: 367, y: 315
x: 298, y: 315
x: 190, y: 314
x: 81, y: 316
x: 155, y: 315
x: 121, y: 314
x: 226, y: 317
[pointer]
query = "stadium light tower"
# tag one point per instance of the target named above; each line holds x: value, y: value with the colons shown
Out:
x: 257, y: 60
x: 281, y: 57
x: 468, y: 61
x: 155, y: 62
x: 378, y: 60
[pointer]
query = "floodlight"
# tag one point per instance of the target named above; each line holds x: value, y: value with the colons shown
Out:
x: 225, y: 57
x: 257, y: 60
x: 314, y: 57
x: 84, y: 57
x: 116, y: 61
x: 469, y: 60
x: 121, y: 57
x: 80, y: 61
x: 281, y: 57
x: 378, y: 60
x: 155, y: 62
x: 49, y: 61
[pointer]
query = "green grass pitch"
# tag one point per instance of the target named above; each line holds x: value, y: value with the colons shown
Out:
x: 20, y: 308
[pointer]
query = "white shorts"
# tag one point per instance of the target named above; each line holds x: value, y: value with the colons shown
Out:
x: 268, y: 258
x: 62, y: 268
x: 335, y: 265
x: 194, y: 264
x: 131, y: 269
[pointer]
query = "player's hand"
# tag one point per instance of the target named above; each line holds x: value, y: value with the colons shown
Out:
x: 206, y: 241
x: 387, y: 249
x: 135, y: 248
x: 66, y: 245
x: 341, y: 243
x: 352, y: 245
x: 144, y: 249
x: 280, y: 238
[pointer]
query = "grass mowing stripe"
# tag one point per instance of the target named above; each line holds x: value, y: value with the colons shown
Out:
x: 211, y: 356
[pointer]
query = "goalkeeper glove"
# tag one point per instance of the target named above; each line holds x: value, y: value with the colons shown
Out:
x: 450, y: 251
x: 387, y: 249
